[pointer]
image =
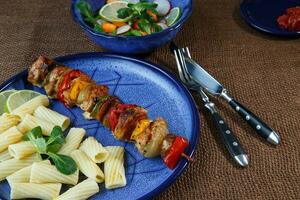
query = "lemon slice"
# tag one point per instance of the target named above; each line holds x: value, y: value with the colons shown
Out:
x: 20, y: 97
x: 173, y: 16
x: 109, y: 11
x: 3, y: 97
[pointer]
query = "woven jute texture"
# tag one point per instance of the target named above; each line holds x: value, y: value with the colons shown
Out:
x: 261, y: 71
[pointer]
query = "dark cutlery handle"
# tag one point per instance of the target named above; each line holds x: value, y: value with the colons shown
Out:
x: 255, y: 122
x: 231, y: 142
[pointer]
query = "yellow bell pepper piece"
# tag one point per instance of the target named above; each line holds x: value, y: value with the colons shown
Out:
x: 78, y: 86
x: 140, y: 127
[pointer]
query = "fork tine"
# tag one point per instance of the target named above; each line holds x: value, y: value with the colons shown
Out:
x: 187, y: 50
x: 179, y: 65
x: 183, y: 66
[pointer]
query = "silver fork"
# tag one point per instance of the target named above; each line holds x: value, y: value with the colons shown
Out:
x: 231, y: 142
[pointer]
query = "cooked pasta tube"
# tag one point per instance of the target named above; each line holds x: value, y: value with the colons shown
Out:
x: 42, y: 173
x: 4, y: 155
x: 10, y: 166
x: 30, y: 106
x: 7, y: 121
x: 21, y: 149
x: 114, y: 168
x: 54, y: 117
x: 82, y: 191
x: 23, y: 175
x: 46, y: 191
x: 87, y: 166
x: 30, y: 122
x: 73, y: 141
x: 94, y: 150
x: 10, y: 136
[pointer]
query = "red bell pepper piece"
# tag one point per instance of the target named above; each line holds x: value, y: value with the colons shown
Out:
x: 115, y: 113
x: 175, y: 152
x: 66, y: 84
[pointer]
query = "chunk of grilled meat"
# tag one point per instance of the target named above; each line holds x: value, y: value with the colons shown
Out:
x: 38, y: 71
x: 89, y: 96
x: 52, y: 80
x: 149, y: 143
x: 127, y: 122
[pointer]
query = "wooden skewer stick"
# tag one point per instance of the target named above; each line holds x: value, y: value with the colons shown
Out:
x: 187, y: 157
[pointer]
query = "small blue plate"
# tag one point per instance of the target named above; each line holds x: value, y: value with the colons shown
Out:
x: 262, y: 15
x: 138, y: 82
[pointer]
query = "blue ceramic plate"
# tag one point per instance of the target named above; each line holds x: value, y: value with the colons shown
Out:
x: 262, y: 15
x: 137, y: 82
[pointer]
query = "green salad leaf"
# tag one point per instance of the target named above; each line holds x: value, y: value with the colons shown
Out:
x: 56, y: 140
x: 145, y: 26
x: 98, y: 28
x: 124, y: 13
x: 34, y: 133
x: 36, y: 138
x: 86, y: 11
x: 50, y: 146
x: 135, y: 33
x: 64, y: 164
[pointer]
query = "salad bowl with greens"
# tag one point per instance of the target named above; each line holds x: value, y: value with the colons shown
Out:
x: 131, y: 26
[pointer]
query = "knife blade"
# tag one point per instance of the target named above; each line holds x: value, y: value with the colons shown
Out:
x: 209, y: 83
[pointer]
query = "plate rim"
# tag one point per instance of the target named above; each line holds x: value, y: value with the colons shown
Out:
x: 261, y: 28
x: 196, y: 116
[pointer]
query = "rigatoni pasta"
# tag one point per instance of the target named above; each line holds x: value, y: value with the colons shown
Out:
x: 30, y: 106
x: 54, y: 117
x: 23, y: 175
x: 94, y: 150
x: 7, y: 121
x: 4, y: 155
x: 10, y: 136
x: 46, y: 191
x: 87, y: 166
x: 73, y: 141
x: 114, y: 168
x: 10, y: 166
x: 30, y: 122
x: 82, y: 191
x: 21, y: 149
x: 42, y: 173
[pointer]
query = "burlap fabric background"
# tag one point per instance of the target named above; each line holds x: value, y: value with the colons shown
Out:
x: 261, y: 71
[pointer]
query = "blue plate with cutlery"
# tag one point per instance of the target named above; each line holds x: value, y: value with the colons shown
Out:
x: 137, y: 82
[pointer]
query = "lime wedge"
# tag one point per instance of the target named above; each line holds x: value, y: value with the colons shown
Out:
x: 3, y: 97
x: 109, y: 11
x: 20, y: 97
x: 173, y: 16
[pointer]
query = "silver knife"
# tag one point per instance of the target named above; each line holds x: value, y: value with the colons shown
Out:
x: 210, y: 84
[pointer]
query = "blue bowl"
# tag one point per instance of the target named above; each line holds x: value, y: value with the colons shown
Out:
x: 132, y: 44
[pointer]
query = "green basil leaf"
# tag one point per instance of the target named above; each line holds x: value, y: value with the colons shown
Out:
x: 64, y: 164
